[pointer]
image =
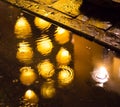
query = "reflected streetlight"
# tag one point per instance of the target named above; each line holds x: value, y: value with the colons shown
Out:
x: 46, y: 69
x: 100, y: 75
x: 41, y: 23
x: 48, y: 90
x: 63, y: 56
x: 44, y: 45
x: 62, y: 35
x: 65, y: 75
x: 31, y: 97
x: 24, y: 53
x: 22, y: 28
x: 27, y: 76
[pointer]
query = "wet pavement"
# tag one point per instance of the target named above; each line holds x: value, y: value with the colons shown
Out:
x: 87, y: 20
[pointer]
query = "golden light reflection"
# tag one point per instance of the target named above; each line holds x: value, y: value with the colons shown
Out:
x: 24, y: 52
x: 27, y: 76
x: 22, y: 28
x: 31, y: 96
x: 44, y: 45
x: 48, y: 90
x: 65, y: 75
x: 117, y: 1
x: 100, y: 75
x: 41, y: 23
x: 116, y: 69
x: 46, y: 69
x: 62, y: 35
x: 63, y: 56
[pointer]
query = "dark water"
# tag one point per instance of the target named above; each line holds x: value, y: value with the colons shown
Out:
x: 41, y: 69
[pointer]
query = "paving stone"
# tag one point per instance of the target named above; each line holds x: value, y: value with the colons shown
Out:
x: 100, y: 24
x: 70, y: 7
x: 109, y: 41
x: 82, y: 17
x: 114, y: 31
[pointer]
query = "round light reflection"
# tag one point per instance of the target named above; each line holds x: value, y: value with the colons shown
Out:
x: 62, y: 36
x: 46, y: 69
x: 44, y: 45
x: 24, y: 52
x: 100, y: 75
x: 41, y: 23
x: 22, y: 28
x: 48, y: 90
x: 65, y: 75
x: 27, y: 76
x: 63, y: 56
x: 31, y: 96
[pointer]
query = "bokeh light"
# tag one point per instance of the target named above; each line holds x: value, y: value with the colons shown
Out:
x: 100, y: 75
x: 48, y: 90
x: 63, y: 56
x: 46, y: 69
x: 65, y: 75
x: 24, y: 52
x: 22, y: 28
x: 31, y: 96
x: 44, y: 45
x: 62, y: 35
x: 41, y: 23
x: 27, y: 76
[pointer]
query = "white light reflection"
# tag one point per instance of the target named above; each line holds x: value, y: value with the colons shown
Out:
x: 48, y: 90
x: 44, y: 45
x: 31, y: 97
x: 62, y: 36
x: 27, y: 76
x: 46, y: 69
x: 41, y: 23
x: 24, y: 52
x: 100, y: 75
x: 65, y: 75
x: 22, y: 28
x: 63, y: 56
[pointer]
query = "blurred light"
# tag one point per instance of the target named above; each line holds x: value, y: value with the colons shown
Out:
x: 62, y: 36
x: 41, y: 23
x: 117, y: 1
x: 116, y: 69
x: 27, y: 76
x: 46, y: 69
x: 24, y: 52
x: 48, y: 90
x: 22, y: 28
x: 100, y: 75
x: 63, y: 56
x: 31, y: 96
x: 65, y: 75
x: 44, y: 45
